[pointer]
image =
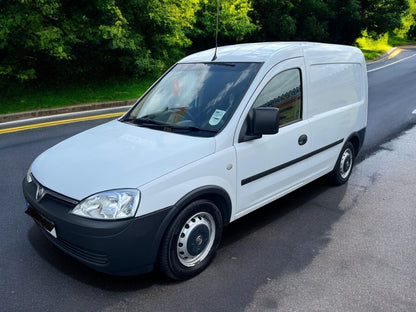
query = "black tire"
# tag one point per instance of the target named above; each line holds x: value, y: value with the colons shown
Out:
x: 191, y: 240
x: 343, y: 168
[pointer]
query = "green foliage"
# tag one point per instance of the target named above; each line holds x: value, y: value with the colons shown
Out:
x: 168, y: 24
x: 44, y: 41
x: 395, y: 40
x: 345, y: 25
x: 234, y: 23
x: 382, y: 16
x: 411, y: 34
x: 408, y: 30
x: 371, y: 55
x: 276, y: 19
x: 373, y: 45
x: 66, y: 40
x: 172, y: 20
x: 44, y: 38
x: 336, y: 21
x: 373, y: 48
x: 311, y: 20
x: 26, y: 28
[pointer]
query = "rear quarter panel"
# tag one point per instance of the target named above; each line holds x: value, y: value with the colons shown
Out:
x: 337, y: 105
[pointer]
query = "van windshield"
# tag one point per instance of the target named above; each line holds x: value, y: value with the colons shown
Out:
x: 195, y: 99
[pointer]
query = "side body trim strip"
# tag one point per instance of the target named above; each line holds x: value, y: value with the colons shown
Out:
x: 289, y: 163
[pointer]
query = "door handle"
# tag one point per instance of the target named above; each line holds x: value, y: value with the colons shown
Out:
x: 302, y: 139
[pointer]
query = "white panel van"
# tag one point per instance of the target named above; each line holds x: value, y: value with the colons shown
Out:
x: 212, y: 140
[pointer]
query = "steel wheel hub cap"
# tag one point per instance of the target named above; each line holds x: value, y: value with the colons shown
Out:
x: 196, y: 239
x: 345, y: 163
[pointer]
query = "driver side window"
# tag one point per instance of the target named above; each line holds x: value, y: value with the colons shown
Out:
x: 283, y: 91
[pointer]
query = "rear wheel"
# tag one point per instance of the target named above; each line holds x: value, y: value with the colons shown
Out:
x: 191, y: 240
x: 342, y: 170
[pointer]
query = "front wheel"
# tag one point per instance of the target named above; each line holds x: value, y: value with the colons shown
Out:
x: 191, y: 240
x: 342, y: 170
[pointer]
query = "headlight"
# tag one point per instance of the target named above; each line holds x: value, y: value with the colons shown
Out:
x: 29, y: 175
x: 109, y: 205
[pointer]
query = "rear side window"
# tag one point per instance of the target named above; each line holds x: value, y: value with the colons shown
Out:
x: 283, y: 91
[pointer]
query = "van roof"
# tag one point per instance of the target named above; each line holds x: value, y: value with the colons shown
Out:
x: 274, y: 52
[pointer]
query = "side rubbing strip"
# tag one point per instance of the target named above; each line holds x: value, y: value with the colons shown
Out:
x: 289, y: 163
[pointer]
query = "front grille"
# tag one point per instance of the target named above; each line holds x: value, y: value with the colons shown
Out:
x: 60, y: 198
x: 49, y: 195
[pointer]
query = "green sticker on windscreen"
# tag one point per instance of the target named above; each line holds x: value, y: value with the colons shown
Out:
x: 216, y: 117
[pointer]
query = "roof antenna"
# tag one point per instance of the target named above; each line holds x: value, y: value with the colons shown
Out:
x: 216, y: 31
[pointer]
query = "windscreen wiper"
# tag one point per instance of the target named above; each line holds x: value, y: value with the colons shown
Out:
x: 144, y: 120
x: 147, y: 122
x: 190, y: 128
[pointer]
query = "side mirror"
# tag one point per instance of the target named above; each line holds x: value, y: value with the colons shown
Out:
x: 260, y: 121
x: 265, y: 120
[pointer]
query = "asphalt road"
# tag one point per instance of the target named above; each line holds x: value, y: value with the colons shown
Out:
x: 321, y: 248
x: 391, y: 98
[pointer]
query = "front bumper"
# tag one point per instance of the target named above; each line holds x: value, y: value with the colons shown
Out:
x: 121, y: 247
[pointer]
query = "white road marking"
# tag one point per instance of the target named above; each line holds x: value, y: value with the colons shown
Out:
x: 371, y: 70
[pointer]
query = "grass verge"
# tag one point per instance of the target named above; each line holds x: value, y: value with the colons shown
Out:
x: 19, y: 99
x: 373, y: 48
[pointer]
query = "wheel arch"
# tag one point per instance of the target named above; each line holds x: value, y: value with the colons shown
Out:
x: 214, y: 193
x: 357, y: 140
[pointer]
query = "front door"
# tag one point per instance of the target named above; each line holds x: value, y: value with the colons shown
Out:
x: 272, y: 166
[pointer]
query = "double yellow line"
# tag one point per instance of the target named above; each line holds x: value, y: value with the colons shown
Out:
x: 59, y: 122
x: 395, y: 53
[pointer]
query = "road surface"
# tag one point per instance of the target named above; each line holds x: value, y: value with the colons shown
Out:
x: 321, y: 248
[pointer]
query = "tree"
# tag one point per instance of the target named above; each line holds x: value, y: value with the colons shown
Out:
x: 48, y: 38
x: 162, y: 26
x: 408, y: 30
x: 313, y: 17
x: 276, y: 19
x: 52, y: 39
x: 166, y: 34
x: 337, y: 21
x: 344, y: 26
x: 381, y: 16
x: 234, y: 23
x: 27, y: 29
x: 308, y: 20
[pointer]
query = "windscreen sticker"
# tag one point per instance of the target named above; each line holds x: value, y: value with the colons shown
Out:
x: 216, y: 117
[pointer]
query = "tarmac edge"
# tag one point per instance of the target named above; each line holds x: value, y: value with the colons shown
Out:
x: 63, y: 110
